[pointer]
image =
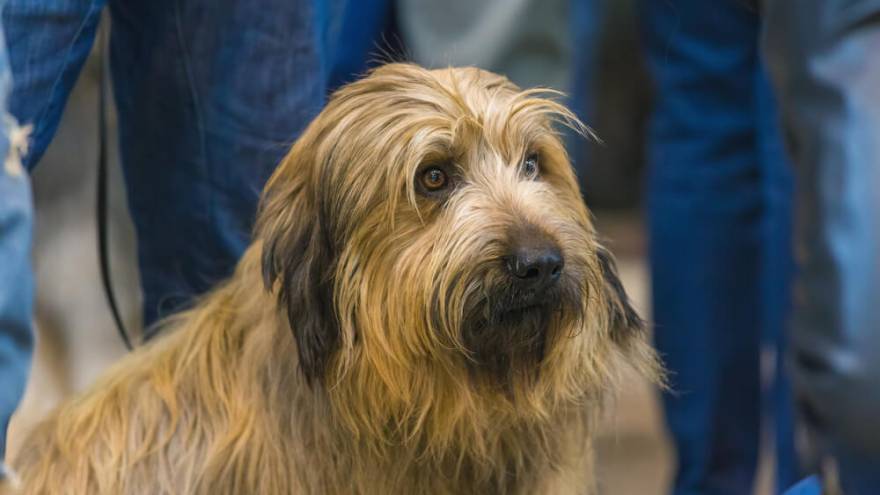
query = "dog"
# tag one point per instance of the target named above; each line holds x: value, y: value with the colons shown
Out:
x: 424, y: 308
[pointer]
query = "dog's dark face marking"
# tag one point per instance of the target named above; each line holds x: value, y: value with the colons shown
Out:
x: 527, y: 295
x: 624, y: 317
x: 300, y: 259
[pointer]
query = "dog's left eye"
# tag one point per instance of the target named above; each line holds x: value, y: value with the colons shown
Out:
x: 531, y: 166
x: 434, y: 179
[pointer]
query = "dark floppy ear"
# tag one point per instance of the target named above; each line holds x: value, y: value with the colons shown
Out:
x: 624, y: 321
x: 297, y: 263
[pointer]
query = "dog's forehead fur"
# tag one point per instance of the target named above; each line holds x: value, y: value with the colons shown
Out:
x: 374, y: 134
x: 446, y: 110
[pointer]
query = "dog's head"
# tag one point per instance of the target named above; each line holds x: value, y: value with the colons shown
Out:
x: 428, y: 243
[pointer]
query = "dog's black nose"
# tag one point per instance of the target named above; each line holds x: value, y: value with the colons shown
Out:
x: 535, y: 265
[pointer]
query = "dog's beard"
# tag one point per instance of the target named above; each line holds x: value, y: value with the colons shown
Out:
x: 507, y: 332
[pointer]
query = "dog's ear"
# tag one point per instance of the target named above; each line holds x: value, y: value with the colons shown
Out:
x: 623, y: 319
x: 297, y: 263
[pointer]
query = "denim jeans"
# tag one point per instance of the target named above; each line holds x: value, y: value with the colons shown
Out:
x: 809, y: 486
x: 16, y: 278
x: 210, y: 95
x: 823, y: 61
x: 719, y: 208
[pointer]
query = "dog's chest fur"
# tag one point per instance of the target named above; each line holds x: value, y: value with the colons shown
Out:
x: 523, y: 469
x: 176, y: 419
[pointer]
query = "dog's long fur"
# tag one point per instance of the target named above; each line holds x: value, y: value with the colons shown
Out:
x: 351, y: 350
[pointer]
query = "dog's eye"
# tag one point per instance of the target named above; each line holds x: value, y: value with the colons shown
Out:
x: 434, y: 179
x: 531, y: 166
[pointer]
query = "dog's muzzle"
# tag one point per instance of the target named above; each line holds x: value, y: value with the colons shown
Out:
x: 527, y: 295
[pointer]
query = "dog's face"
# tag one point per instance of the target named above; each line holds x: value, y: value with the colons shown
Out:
x: 428, y: 242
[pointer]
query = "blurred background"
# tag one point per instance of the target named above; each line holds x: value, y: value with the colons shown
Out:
x: 520, y: 38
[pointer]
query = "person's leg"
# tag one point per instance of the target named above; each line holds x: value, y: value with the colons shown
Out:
x: 47, y: 43
x: 705, y: 210
x: 585, y: 21
x: 210, y: 95
x: 16, y: 277
x: 821, y: 65
x: 778, y: 265
x: 362, y: 33
x: 809, y: 486
x: 778, y: 270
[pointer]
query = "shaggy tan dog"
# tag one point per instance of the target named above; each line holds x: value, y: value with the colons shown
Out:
x: 424, y: 309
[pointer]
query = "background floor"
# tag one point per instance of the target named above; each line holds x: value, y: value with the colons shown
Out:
x: 77, y: 339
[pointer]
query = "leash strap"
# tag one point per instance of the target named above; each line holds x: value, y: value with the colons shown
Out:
x: 101, y: 210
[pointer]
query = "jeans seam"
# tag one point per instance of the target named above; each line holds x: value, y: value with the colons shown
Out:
x: 197, y: 106
x: 190, y: 79
x: 38, y: 121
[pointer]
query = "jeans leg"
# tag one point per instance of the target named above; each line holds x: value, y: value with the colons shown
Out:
x: 778, y: 271
x: 821, y: 63
x: 359, y: 35
x: 48, y: 41
x: 705, y: 211
x: 809, y: 486
x: 16, y: 275
x: 586, y: 17
x: 586, y: 21
x: 210, y: 95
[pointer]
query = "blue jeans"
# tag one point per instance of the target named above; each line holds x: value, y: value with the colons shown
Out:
x: 719, y: 208
x: 809, y: 486
x: 16, y: 278
x: 586, y: 19
x: 210, y: 95
x: 823, y: 63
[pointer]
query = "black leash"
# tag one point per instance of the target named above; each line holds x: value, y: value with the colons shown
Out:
x: 102, y: 220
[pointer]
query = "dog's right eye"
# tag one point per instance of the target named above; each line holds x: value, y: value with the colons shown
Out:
x: 531, y: 166
x: 434, y: 179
